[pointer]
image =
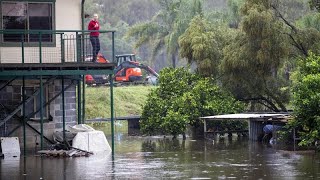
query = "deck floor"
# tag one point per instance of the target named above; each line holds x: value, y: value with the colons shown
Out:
x: 67, y: 68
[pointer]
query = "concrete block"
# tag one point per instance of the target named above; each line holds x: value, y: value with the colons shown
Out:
x: 58, y: 101
x: 10, y: 146
x: 58, y: 113
x: 57, y: 107
x: 70, y: 100
x: 71, y: 113
x: 58, y: 125
x: 71, y: 89
x: 57, y: 119
x: 70, y: 119
x: 73, y: 105
x: 70, y: 94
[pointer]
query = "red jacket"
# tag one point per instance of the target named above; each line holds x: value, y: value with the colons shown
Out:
x: 94, y: 25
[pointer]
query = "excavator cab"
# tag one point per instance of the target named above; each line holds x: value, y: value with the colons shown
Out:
x: 125, y: 57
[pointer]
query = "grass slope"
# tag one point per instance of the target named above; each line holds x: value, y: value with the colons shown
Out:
x: 127, y: 101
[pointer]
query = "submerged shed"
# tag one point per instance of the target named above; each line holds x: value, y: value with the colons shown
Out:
x: 256, y: 121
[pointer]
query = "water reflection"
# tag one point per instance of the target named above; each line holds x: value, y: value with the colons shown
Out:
x: 162, y: 158
x: 164, y: 144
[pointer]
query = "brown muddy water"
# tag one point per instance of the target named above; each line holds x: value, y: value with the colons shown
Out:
x: 163, y: 158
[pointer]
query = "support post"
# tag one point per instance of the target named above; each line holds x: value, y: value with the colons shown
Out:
x: 83, y: 59
x: 63, y: 111
x: 24, y: 102
x: 78, y: 48
x: 112, y: 113
x: 113, y: 50
x: 111, y: 96
x: 24, y: 115
x: 41, y: 112
x: 41, y: 93
x: 205, y: 128
x: 83, y: 99
x: 62, y: 49
x: 79, y: 101
x: 79, y: 82
x: 78, y: 56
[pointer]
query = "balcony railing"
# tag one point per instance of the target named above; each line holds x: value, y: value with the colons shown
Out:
x: 46, y: 46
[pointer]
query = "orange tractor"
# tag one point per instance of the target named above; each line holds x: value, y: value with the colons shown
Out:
x: 128, y: 69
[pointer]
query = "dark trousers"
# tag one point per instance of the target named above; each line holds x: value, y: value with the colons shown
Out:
x: 95, y: 42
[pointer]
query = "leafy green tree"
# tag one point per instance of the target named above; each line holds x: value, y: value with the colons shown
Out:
x: 164, y: 29
x: 172, y: 84
x: 180, y: 99
x: 306, y: 99
x: 203, y: 43
x: 252, y: 63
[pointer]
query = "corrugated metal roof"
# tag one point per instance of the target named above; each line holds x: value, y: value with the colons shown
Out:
x: 248, y: 116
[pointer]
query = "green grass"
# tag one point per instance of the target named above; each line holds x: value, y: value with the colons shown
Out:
x: 127, y: 101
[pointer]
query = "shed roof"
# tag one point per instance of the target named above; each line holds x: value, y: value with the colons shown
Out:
x: 245, y: 116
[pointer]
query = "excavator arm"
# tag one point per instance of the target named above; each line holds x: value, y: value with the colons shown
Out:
x: 131, y: 64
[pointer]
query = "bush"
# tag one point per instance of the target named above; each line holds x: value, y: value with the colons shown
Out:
x: 180, y: 99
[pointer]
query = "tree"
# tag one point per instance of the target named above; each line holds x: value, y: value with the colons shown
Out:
x: 253, y: 63
x: 164, y: 29
x: 306, y: 95
x: 180, y: 99
x: 202, y: 43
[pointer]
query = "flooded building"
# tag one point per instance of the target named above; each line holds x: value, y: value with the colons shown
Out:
x: 43, y: 51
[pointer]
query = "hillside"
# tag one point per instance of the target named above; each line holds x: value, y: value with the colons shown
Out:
x: 127, y: 101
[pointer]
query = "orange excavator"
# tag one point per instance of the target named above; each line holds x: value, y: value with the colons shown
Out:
x: 128, y: 69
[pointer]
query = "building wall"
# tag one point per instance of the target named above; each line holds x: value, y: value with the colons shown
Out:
x: 70, y: 105
x: 10, y: 97
x: 68, y: 14
x: 67, y: 17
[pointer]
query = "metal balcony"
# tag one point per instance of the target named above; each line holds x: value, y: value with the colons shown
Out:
x: 59, y: 52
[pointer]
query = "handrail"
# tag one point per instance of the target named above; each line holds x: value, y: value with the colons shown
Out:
x: 18, y: 31
x: 74, y: 45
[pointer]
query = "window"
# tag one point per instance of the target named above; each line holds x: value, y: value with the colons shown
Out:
x: 34, y: 105
x: 27, y: 16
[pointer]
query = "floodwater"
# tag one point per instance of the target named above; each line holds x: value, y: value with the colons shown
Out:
x: 164, y: 158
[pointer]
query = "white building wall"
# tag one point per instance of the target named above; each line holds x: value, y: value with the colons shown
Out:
x: 67, y: 17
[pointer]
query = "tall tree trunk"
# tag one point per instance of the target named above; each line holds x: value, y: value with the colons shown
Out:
x: 173, y: 58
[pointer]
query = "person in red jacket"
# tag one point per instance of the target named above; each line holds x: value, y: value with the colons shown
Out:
x: 94, y: 36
